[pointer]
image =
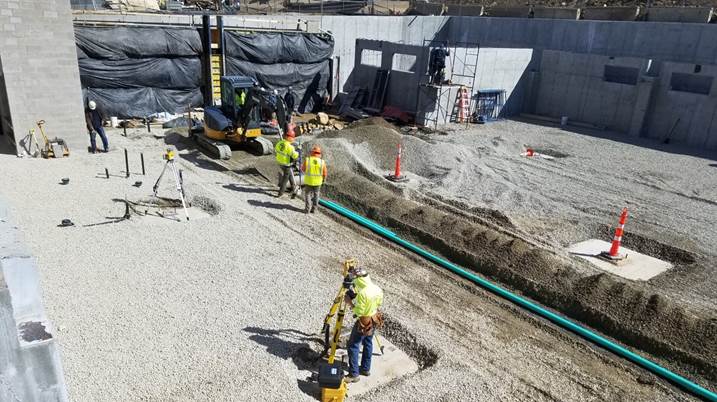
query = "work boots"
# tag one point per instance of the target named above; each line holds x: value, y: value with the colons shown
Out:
x: 351, y: 379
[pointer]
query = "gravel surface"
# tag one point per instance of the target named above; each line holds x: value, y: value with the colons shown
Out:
x: 671, y: 195
x: 225, y: 307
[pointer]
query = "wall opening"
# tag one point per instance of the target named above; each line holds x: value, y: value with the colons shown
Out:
x: 621, y: 74
x: 697, y: 84
x: 370, y: 57
x: 404, y: 62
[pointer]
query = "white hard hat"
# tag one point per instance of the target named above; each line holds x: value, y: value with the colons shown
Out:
x: 92, y: 105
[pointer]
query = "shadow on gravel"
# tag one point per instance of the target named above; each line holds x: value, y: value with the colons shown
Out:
x: 295, y: 345
x: 247, y: 189
x: 273, y: 205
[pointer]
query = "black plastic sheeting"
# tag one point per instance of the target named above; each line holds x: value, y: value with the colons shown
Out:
x: 278, y: 47
x: 140, y: 71
x: 142, y: 102
x: 278, y: 60
x: 117, y: 43
x: 178, y: 73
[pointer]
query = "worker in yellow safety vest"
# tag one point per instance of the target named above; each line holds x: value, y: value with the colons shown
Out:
x: 286, y: 155
x: 315, y: 172
x: 365, y: 298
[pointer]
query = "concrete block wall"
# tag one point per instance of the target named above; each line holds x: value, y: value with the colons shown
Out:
x: 39, y: 62
x: 30, y: 366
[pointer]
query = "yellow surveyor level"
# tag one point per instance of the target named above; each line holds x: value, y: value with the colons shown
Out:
x: 331, y: 373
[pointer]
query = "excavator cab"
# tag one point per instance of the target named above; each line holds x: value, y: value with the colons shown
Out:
x: 239, y: 118
x: 235, y: 94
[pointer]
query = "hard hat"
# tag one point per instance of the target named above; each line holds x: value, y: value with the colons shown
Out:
x: 92, y: 105
x: 358, y: 272
x: 316, y: 150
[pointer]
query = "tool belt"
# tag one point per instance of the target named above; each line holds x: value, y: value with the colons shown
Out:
x: 368, y: 324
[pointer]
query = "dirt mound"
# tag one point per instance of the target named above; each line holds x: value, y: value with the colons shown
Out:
x: 373, y: 122
x: 619, y: 309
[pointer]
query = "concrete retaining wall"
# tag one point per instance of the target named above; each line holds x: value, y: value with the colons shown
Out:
x: 574, y: 85
x: 678, y: 115
x: 39, y: 62
x: 511, y: 59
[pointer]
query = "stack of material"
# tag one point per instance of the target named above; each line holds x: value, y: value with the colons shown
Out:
x: 133, y: 5
x: 320, y: 123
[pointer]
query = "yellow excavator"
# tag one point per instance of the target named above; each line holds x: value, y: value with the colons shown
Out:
x: 240, y: 120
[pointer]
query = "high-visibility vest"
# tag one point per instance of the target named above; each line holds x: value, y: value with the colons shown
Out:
x: 314, y: 175
x: 369, y: 297
x: 285, y: 153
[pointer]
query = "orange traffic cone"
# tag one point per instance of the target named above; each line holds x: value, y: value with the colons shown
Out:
x: 613, y: 255
x: 396, y: 176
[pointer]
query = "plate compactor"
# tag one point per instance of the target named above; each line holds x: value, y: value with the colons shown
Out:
x: 239, y: 119
x: 54, y: 148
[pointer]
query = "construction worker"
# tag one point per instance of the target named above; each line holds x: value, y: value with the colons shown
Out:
x: 437, y: 64
x: 315, y: 172
x: 366, y: 298
x: 239, y: 98
x: 290, y: 101
x: 286, y: 156
x: 93, y: 119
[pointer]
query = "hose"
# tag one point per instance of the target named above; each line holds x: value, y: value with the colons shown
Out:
x: 565, y: 323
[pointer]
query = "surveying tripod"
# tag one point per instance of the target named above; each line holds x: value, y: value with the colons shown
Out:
x: 169, y: 157
x: 338, y: 309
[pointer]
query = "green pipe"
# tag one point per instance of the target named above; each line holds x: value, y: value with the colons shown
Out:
x: 529, y: 305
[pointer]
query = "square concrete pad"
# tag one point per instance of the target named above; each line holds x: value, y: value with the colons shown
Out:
x: 639, y: 267
x: 393, y: 364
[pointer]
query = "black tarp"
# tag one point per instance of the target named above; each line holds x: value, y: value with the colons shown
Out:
x: 142, y: 102
x: 117, y: 43
x: 176, y: 73
x: 278, y: 60
x: 139, y: 71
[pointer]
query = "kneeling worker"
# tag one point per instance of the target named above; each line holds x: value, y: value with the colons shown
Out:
x: 366, y: 298
x: 315, y: 172
x: 286, y: 155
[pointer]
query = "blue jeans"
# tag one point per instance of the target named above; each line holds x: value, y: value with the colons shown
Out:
x: 93, y: 143
x: 355, y: 341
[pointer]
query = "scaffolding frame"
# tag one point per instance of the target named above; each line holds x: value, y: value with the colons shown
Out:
x: 431, y: 94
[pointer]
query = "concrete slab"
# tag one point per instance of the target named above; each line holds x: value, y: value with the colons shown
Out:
x: 392, y: 364
x: 638, y: 267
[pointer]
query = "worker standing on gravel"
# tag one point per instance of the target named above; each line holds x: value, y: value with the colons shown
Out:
x: 93, y: 118
x: 286, y: 155
x: 366, y: 298
x: 315, y: 172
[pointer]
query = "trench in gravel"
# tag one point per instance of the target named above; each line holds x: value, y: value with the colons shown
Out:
x: 487, y: 242
x: 629, y: 312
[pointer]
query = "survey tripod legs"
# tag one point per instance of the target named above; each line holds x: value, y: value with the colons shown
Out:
x: 338, y: 310
x: 169, y: 157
